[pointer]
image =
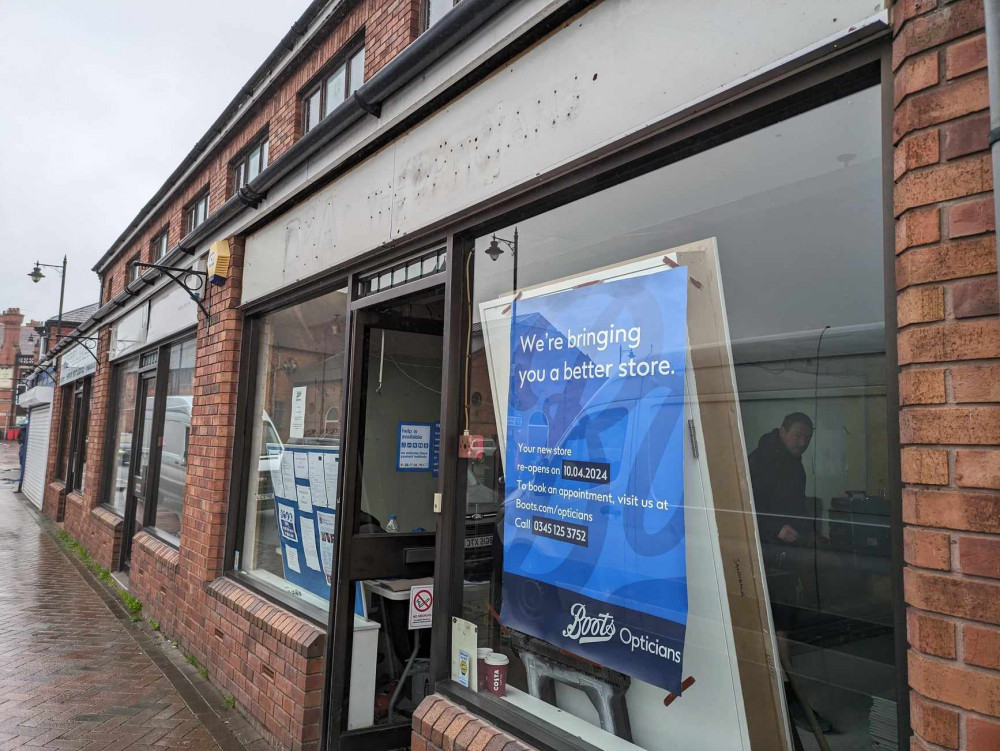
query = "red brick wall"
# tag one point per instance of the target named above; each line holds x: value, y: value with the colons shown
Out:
x: 97, y: 529
x: 438, y: 724
x: 949, y: 342
x: 54, y: 498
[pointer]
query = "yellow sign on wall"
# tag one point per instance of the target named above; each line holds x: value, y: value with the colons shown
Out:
x: 218, y: 262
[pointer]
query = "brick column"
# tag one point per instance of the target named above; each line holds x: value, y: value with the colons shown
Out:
x: 390, y: 28
x: 949, y: 345
x: 213, y: 418
x: 54, y: 497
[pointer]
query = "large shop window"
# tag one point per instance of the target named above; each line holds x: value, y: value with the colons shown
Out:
x: 295, y: 454
x: 172, y: 476
x: 71, y: 458
x: 684, y: 476
x: 126, y: 380
x: 154, y: 395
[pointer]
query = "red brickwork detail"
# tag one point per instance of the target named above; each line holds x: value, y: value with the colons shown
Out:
x: 927, y: 549
x: 935, y: 722
x: 440, y: 725
x: 930, y: 634
x: 947, y: 309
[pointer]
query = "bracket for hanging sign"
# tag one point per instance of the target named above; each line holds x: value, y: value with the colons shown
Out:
x: 80, y: 339
x: 191, y: 281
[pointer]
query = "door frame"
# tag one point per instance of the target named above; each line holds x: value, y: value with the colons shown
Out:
x: 377, y: 547
x: 154, y: 372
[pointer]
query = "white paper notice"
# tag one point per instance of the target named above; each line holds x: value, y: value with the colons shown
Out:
x: 331, y: 467
x: 301, y: 465
x: 304, y: 498
x: 287, y: 476
x: 309, y: 543
x: 292, y: 556
x: 317, y: 479
x: 327, y: 532
x: 274, y: 467
x: 297, y: 425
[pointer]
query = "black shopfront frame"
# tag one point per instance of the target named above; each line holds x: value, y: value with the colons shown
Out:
x: 157, y: 370
x: 824, y: 75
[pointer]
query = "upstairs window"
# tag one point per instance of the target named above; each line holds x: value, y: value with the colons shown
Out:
x: 333, y: 89
x: 435, y: 10
x: 133, y: 270
x: 158, y: 245
x: 251, y: 164
x: 196, y: 212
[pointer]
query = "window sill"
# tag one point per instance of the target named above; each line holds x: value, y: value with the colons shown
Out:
x: 511, y: 719
x: 276, y: 596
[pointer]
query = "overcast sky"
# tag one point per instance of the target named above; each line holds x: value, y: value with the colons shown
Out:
x: 99, y: 102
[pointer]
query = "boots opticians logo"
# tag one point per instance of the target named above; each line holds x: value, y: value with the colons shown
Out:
x: 587, y: 629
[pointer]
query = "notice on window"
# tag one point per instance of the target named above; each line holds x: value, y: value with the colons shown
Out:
x: 327, y: 534
x: 331, y: 468
x: 594, y: 537
x: 317, y: 478
x: 292, y: 557
x: 286, y: 522
x: 287, y: 475
x: 309, y: 543
x: 297, y: 424
x: 413, y: 453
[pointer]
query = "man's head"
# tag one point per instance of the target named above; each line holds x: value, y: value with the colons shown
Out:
x: 795, y: 432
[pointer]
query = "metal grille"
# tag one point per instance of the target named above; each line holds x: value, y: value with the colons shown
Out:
x: 426, y: 264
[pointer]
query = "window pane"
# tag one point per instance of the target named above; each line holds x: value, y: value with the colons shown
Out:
x: 312, y: 111
x: 779, y: 204
x: 176, y: 439
x: 436, y: 10
x: 264, y: 153
x: 336, y: 89
x: 296, y: 445
x: 239, y: 176
x: 202, y: 209
x: 253, y: 164
x: 357, y: 70
x: 127, y: 378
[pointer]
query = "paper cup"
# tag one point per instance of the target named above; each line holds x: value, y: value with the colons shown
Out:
x: 481, y: 655
x: 496, y: 673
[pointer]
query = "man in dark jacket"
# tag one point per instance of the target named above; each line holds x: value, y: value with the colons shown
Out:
x: 785, y: 522
x: 779, y: 482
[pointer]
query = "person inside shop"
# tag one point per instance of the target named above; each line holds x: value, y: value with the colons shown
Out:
x: 786, y: 524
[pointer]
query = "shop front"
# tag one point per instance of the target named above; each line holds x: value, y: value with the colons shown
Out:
x: 581, y: 422
x: 38, y: 401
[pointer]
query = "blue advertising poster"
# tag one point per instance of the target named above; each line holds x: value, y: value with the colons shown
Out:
x: 304, y: 481
x: 418, y: 448
x: 594, y: 550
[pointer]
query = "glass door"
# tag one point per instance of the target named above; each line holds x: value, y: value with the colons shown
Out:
x: 387, y: 524
x: 138, y: 482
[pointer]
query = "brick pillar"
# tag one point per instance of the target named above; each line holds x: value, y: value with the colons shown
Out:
x: 100, y: 394
x: 213, y: 418
x: 54, y: 498
x: 949, y: 356
x: 390, y: 28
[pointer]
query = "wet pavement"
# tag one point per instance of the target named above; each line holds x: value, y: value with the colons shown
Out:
x: 72, y: 675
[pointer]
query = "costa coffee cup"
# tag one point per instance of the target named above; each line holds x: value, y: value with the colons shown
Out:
x: 481, y: 655
x: 496, y: 673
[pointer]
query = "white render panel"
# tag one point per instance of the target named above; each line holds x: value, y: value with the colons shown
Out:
x: 620, y: 66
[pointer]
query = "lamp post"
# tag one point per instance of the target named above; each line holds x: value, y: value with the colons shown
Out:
x: 494, y: 251
x: 36, y: 276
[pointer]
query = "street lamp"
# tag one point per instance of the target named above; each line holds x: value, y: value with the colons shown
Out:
x: 36, y: 276
x: 494, y: 251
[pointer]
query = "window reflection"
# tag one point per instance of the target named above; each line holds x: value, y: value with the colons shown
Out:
x: 807, y: 338
x: 296, y: 435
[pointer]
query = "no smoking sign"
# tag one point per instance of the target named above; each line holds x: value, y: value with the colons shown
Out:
x: 421, y: 605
